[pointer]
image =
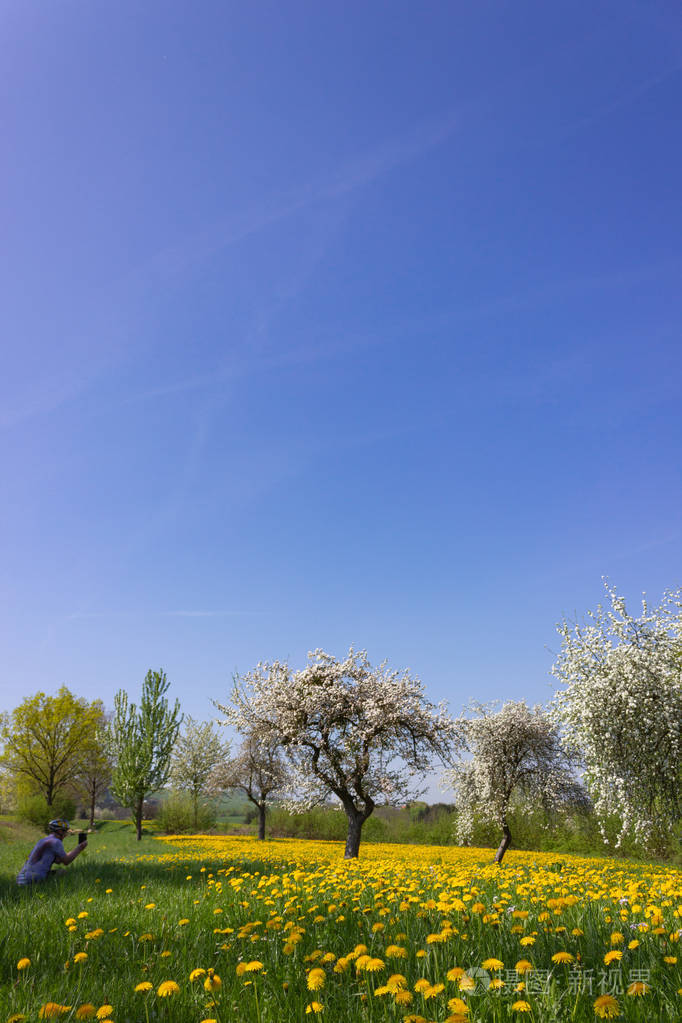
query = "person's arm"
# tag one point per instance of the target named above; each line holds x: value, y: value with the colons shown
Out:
x: 70, y: 857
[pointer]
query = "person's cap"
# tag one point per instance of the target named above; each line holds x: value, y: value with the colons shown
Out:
x: 58, y: 825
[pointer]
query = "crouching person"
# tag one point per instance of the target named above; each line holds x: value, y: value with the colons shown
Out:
x: 47, y: 851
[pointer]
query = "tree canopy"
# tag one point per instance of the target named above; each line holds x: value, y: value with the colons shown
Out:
x: 620, y: 710
x: 142, y: 740
x: 47, y: 738
x: 349, y: 730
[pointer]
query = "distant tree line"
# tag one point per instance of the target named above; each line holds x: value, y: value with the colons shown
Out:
x: 345, y: 733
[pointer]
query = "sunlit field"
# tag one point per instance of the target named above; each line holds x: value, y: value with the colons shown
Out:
x: 194, y: 929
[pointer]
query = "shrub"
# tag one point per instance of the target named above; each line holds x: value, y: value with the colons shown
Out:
x: 34, y: 810
x: 176, y: 816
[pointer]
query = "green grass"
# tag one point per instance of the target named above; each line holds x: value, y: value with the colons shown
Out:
x: 129, y: 901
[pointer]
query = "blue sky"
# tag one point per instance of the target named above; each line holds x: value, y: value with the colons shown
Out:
x: 332, y: 324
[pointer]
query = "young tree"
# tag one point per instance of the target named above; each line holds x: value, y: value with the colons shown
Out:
x: 259, y: 771
x: 45, y: 739
x: 621, y: 711
x: 509, y: 755
x: 348, y: 730
x: 197, y: 754
x: 142, y: 741
x: 95, y: 769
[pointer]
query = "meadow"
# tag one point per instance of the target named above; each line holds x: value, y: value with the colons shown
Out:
x: 203, y: 928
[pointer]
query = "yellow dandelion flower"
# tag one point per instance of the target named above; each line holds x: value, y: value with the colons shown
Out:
x: 523, y: 966
x: 615, y: 955
x: 433, y: 991
x: 606, y: 1007
x: 104, y: 1011
x: 253, y: 967
x: 492, y: 964
x: 167, y: 988
x: 183, y: 922
x: 18, y: 1017
x: 455, y: 973
x: 403, y: 997
x: 396, y: 982
x: 85, y: 1011
x: 395, y: 952
x: 213, y: 981
x: 528, y: 940
x: 458, y: 1005
x: 422, y: 985
x: 24, y: 963
x: 467, y: 983
x: 195, y: 974
x: 150, y: 905
x: 80, y: 957
x: 53, y: 1009
x: 316, y: 979
x: 670, y: 960
x: 521, y: 1006
x: 144, y: 986
x: 638, y: 988
x: 617, y: 938
x: 496, y: 984
x: 316, y: 1007
x: 81, y: 916
x: 632, y: 945
x: 374, y: 965
x: 563, y: 957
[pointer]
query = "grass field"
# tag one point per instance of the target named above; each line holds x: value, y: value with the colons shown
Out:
x: 220, y: 928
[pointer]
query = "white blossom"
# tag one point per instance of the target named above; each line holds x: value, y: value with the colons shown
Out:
x: 621, y: 711
x: 359, y: 733
x: 508, y: 755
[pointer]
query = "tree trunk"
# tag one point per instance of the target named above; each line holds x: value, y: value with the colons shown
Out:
x: 504, y: 844
x: 196, y: 811
x: 261, y: 821
x: 355, y: 822
x: 138, y: 818
x: 92, y: 807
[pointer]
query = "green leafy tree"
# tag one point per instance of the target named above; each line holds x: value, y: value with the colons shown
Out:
x: 197, y: 754
x: 45, y: 740
x: 95, y: 770
x: 142, y: 740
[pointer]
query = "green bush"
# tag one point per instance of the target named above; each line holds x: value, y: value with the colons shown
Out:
x: 34, y: 810
x: 176, y: 815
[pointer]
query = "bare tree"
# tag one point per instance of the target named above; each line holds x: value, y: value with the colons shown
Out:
x: 258, y: 771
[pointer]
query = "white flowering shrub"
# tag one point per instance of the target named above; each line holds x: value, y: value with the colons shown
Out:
x: 359, y: 733
x: 508, y: 756
x: 621, y: 711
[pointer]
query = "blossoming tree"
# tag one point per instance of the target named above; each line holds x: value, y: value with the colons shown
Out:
x: 508, y: 756
x: 621, y: 711
x: 258, y: 771
x: 348, y: 729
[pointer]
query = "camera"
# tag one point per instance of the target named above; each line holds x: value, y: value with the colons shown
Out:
x: 82, y: 837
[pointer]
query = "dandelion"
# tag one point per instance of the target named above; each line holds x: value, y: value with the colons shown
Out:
x: 563, y: 957
x: 316, y: 979
x: 374, y: 965
x: 314, y: 1007
x: 80, y: 957
x: 252, y: 967
x: 85, y: 1011
x: 51, y: 1010
x: 638, y: 988
x: 458, y: 1006
x: 521, y: 1006
x: 150, y: 905
x: 18, y: 1017
x: 144, y: 986
x: 403, y: 997
x: 523, y: 966
x: 492, y: 964
x: 615, y: 955
x: 213, y: 981
x: 183, y: 922
x: 195, y: 974
x: 606, y: 1007
x: 167, y: 988
x: 24, y: 963
x: 455, y: 973
x: 104, y: 1011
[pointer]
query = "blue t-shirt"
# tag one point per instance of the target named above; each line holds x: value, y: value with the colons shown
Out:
x: 39, y: 863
